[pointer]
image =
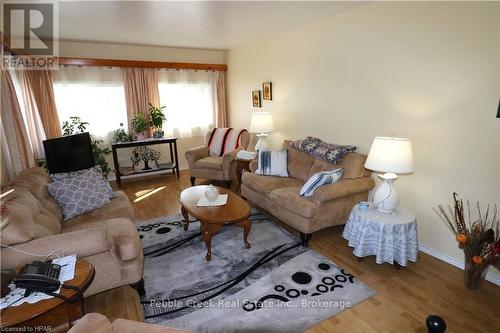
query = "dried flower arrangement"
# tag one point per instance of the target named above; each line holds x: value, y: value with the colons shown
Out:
x: 479, y: 239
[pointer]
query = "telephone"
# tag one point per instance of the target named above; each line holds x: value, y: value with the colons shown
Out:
x: 39, y: 276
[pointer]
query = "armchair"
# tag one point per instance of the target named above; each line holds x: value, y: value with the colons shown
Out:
x: 203, y: 165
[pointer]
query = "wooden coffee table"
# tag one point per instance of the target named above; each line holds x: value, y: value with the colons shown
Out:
x: 52, y: 312
x: 212, y: 219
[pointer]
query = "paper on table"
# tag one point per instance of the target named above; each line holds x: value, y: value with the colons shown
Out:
x: 221, y: 201
x: 16, y: 295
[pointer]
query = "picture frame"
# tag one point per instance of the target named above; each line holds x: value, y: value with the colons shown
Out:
x: 256, y: 99
x: 267, y: 91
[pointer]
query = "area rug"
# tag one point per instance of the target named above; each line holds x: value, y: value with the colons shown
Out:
x: 275, y: 286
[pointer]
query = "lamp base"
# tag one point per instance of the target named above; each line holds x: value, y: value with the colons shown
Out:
x: 261, y: 144
x: 386, y: 198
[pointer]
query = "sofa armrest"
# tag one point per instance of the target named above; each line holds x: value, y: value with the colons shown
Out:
x: 195, y: 154
x: 343, y: 188
x: 128, y: 326
x: 84, y: 243
x: 228, y: 158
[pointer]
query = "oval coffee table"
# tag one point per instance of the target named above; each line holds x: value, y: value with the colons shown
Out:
x: 212, y: 219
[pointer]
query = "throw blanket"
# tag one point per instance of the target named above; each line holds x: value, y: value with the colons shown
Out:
x: 326, y: 151
x: 224, y: 140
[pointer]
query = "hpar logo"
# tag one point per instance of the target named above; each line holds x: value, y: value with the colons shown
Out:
x: 31, y: 34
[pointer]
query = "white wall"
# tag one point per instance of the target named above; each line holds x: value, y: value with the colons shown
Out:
x: 422, y: 70
x: 145, y: 53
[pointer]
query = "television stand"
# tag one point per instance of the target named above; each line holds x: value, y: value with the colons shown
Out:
x: 121, y: 172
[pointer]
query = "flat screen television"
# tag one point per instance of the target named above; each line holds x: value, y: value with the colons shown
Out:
x: 69, y: 153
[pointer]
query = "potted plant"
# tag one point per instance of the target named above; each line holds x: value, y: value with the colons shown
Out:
x: 139, y: 124
x: 478, y: 238
x: 120, y: 135
x: 157, y: 118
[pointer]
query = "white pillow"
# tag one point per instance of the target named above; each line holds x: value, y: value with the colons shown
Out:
x: 320, y: 178
x: 273, y: 163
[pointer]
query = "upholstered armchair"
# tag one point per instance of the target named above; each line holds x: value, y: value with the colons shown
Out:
x: 203, y: 165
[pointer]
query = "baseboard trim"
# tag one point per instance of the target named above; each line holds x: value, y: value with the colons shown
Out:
x: 455, y: 262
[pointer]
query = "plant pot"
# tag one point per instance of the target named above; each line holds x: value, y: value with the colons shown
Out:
x: 140, y: 136
x: 158, y: 134
x: 474, y: 274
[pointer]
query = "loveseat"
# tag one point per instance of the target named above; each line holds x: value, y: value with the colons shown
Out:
x: 329, y: 205
x: 105, y: 237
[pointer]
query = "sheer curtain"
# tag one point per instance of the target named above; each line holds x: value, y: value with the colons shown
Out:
x: 95, y: 94
x: 17, y: 154
x: 189, y: 97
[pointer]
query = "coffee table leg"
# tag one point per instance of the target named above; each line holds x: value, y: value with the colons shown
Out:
x: 208, y: 230
x: 186, y: 217
x: 246, y: 230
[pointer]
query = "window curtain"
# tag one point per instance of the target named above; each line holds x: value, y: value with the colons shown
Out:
x: 221, y: 114
x: 15, y: 146
x: 95, y: 94
x: 141, y: 88
x: 39, y: 94
x: 190, y: 100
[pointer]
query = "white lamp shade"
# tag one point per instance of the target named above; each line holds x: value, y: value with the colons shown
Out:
x: 390, y: 155
x: 262, y: 122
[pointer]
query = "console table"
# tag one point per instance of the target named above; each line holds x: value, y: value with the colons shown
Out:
x: 174, y: 159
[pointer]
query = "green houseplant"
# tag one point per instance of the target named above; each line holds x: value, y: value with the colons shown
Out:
x: 120, y: 135
x: 140, y: 124
x: 156, y: 119
x: 74, y: 126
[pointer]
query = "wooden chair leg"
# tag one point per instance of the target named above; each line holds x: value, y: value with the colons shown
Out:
x: 305, y: 239
x: 227, y: 183
x: 192, y: 179
x: 139, y: 286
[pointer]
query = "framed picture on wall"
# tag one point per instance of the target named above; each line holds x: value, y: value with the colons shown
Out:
x: 267, y: 91
x: 256, y: 100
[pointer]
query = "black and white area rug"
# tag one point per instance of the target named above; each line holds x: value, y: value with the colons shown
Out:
x: 275, y: 286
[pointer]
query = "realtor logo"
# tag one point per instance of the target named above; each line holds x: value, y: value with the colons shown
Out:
x: 31, y: 34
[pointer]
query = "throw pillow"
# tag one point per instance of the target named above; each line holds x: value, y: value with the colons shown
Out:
x: 273, y: 163
x: 329, y: 152
x: 320, y: 178
x: 80, y: 194
x: 70, y: 174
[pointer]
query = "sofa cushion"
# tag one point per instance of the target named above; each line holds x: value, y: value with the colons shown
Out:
x: 80, y: 194
x: 27, y: 218
x: 289, y: 198
x: 273, y: 163
x: 36, y: 180
x: 299, y: 162
x: 265, y: 184
x: 103, y: 181
x: 119, y: 207
x: 320, y: 179
x: 209, y: 162
x: 352, y: 163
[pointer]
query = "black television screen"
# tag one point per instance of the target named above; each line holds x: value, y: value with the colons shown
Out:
x: 69, y: 153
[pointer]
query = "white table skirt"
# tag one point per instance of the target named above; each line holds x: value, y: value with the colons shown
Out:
x: 389, y: 237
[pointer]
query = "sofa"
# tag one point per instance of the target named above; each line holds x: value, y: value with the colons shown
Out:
x: 106, y: 237
x: 330, y: 204
x: 97, y: 323
x: 223, y: 168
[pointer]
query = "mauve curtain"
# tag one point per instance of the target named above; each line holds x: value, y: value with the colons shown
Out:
x: 15, y: 146
x: 221, y: 113
x: 141, y: 88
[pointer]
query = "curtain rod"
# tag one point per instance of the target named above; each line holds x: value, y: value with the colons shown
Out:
x: 138, y: 63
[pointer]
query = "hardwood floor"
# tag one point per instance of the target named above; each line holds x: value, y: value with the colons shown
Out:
x: 404, y: 297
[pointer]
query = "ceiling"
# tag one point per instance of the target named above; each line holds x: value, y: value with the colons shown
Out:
x: 199, y: 24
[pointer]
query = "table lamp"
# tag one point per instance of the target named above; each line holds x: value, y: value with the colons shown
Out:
x: 262, y: 124
x: 392, y: 156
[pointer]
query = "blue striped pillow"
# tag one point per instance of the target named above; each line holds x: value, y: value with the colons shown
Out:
x: 320, y: 178
x: 273, y: 163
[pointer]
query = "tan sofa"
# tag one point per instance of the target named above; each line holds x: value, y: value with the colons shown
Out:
x: 106, y: 237
x: 97, y: 323
x: 330, y: 204
x: 202, y: 165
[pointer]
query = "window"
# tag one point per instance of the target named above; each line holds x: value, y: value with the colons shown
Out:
x: 96, y: 95
x: 189, y: 100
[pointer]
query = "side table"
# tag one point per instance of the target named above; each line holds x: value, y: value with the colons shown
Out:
x: 52, y: 313
x: 242, y: 165
x: 391, y: 238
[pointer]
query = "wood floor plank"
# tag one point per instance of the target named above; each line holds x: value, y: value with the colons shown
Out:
x: 404, y: 297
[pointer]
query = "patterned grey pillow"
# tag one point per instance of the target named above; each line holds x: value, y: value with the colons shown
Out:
x: 80, y: 194
x: 103, y: 181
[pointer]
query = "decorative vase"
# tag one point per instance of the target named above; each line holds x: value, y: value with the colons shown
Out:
x: 474, y: 274
x: 158, y: 134
x: 211, y: 193
x: 140, y: 136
